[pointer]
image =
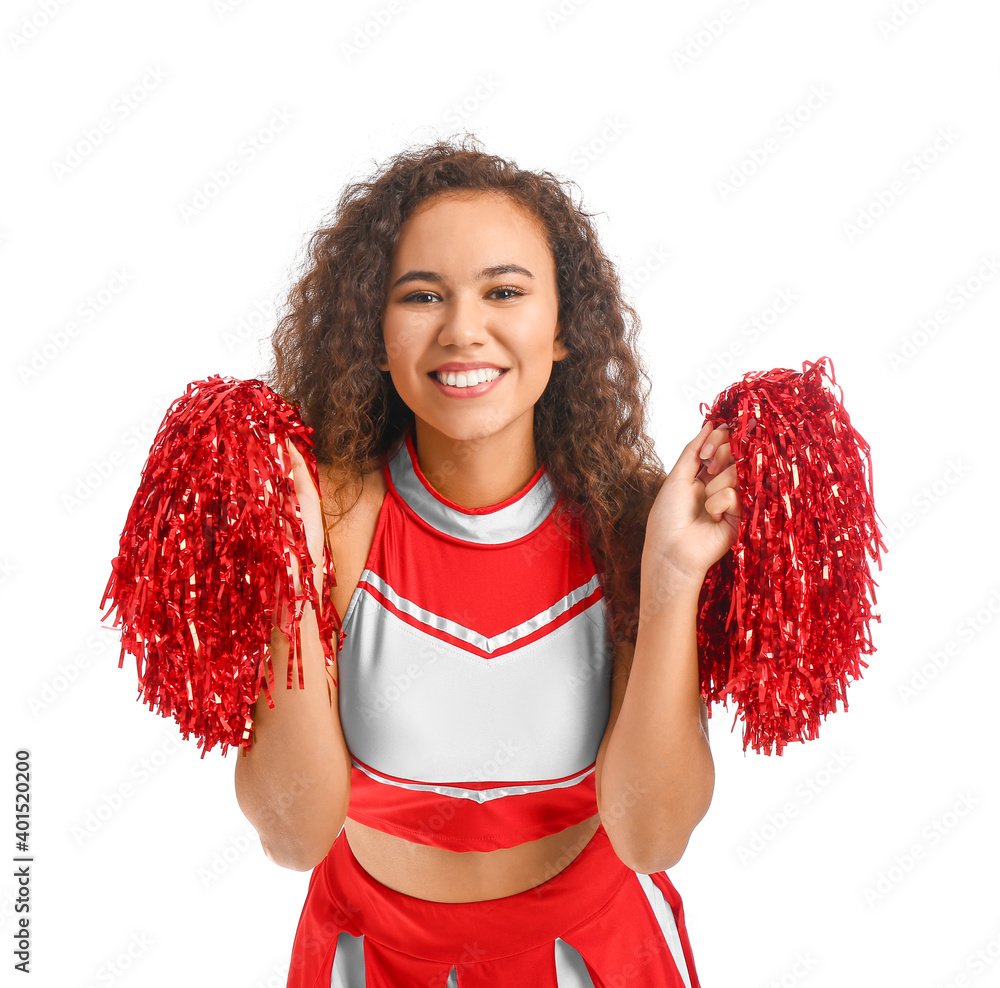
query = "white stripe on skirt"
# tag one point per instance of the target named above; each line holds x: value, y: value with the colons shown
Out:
x: 571, y: 972
x: 665, y: 917
x: 348, y: 962
x: 349, y: 965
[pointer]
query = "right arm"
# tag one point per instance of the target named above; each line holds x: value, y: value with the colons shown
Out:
x: 293, y: 784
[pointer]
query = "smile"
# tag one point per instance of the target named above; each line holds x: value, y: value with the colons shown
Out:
x: 469, y: 391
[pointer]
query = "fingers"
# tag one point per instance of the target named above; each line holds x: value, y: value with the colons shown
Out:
x: 692, y: 462
x: 725, y: 480
x: 687, y: 464
x: 702, y: 437
x: 713, y: 440
x: 719, y: 460
x: 714, y: 449
x: 723, y: 501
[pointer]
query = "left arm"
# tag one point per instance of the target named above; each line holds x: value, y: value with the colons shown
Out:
x: 654, y: 773
x: 657, y: 774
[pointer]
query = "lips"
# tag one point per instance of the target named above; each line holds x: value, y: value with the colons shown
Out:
x: 470, y: 391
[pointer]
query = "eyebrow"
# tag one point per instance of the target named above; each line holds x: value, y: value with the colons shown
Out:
x: 491, y: 272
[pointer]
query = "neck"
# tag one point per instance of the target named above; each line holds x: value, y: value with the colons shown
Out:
x: 476, y: 473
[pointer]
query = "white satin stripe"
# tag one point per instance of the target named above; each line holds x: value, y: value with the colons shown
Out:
x: 460, y: 631
x: 491, y: 528
x: 665, y: 917
x: 425, y: 710
x: 476, y: 795
x: 571, y: 972
x: 349, y: 965
x: 348, y: 962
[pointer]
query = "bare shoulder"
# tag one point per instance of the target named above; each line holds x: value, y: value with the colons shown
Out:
x: 348, y: 499
x: 351, y: 519
x: 344, y: 495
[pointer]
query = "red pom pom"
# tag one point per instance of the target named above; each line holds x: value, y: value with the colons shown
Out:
x: 204, y: 559
x: 797, y: 577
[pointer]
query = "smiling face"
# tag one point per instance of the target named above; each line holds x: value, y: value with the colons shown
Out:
x: 472, y: 282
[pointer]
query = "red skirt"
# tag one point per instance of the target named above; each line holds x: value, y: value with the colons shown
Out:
x: 596, y: 924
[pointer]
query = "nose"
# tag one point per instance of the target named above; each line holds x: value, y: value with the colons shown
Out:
x: 463, y: 322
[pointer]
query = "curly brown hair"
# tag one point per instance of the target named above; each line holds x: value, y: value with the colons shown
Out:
x: 589, y: 423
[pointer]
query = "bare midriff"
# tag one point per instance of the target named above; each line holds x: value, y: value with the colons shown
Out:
x: 465, y: 876
x: 422, y: 870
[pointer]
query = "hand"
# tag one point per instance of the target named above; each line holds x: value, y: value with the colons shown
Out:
x: 694, y: 520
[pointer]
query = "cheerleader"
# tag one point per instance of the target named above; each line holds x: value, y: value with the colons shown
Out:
x: 490, y: 782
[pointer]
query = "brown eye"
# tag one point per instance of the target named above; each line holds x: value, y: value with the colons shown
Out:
x: 508, y: 288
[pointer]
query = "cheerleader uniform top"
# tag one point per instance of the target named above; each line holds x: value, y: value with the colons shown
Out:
x: 475, y: 671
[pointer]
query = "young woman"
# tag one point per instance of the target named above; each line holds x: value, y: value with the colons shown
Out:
x: 511, y: 747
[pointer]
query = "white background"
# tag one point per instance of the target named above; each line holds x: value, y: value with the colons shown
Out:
x: 597, y: 94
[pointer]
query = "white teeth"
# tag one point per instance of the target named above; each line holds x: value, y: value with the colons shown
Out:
x: 465, y: 379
